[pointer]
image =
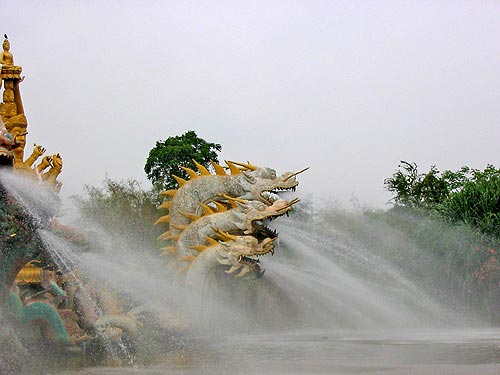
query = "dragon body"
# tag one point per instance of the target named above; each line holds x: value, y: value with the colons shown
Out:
x: 228, y: 208
x: 246, y: 216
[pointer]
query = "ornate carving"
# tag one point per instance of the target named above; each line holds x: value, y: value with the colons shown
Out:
x: 16, y: 124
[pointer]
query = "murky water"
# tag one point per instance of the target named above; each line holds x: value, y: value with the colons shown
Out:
x: 334, y: 352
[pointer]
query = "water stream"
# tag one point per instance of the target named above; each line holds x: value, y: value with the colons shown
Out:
x: 329, y: 303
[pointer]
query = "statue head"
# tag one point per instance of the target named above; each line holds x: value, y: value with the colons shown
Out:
x: 17, y: 126
x: 6, y: 44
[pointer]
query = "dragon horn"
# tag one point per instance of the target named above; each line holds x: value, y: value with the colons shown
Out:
x: 224, y: 235
x: 247, y: 166
x: 296, y: 173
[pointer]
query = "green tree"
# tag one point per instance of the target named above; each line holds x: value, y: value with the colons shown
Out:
x: 476, y: 202
x: 167, y: 156
x: 416, y: 190
x: 124, y: 210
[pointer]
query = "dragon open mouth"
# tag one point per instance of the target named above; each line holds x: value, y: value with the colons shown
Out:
x: 271, y: 196
x: 254, y: 264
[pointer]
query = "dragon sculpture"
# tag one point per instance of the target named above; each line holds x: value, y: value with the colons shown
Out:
x: 218, y: 220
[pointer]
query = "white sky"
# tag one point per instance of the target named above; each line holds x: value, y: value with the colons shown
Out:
x: 348, y: 88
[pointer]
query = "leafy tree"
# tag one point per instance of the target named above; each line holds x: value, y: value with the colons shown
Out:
x: 476, y: 202
x: 122, y: 209
x: 415, y: 190
x: 467, y: 196
x: 167, y: 156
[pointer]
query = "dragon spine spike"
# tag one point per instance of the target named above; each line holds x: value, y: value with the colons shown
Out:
x: 165, y: 205
x: 182, y: 270
x: 179, y: 227
x: 192, y: 174
x: 232, y: 199
x: 179, y: 180
x: 187, y: 215
x: 163, y: 219
x: 169, y: 193
x: 198, y: 248
x: 219, y: 170
x: 203, y: 171
x: 220, y: 207
x: 296, y: 173
x: 167, y: 236
x: 187, y: 258
x: 162, y: 236
x: 247, y: 166
x: 207, y: 210
x: 233, y: 168
x: 224, y: 236
x: 168, y: 250
x: 211, y: 241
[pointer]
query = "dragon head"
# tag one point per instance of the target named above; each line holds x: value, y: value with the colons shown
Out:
x: 250, y: 214
x: 265, y: 183
x: 242, y: 252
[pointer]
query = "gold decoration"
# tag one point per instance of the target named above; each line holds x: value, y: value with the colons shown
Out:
x: 29, y: 274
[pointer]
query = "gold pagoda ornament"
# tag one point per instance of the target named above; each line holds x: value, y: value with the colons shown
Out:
x: 14, y: 120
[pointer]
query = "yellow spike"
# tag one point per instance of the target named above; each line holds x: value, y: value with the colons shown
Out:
x: 167, y: 236
x: 188, y: 258
x: 163, y: 219
x: 219, y: 170
x: 192, y: 174
x: 163, y: 236
x: 207, y: 210
x: 198, y: 248
x: 220, y: 207
x: 172, y: 264
x: 247, y: 166
x: 179, y: 227
x: 203, y: 171
x: 224, y: 235
x: 229, y: 198
x: 211, y: 241
x: 187, y: 215
x: 169, y: 250
x: 183, y: 270
x: 179, y: 180
x: 233, y: 168
x: 166, y: 205
x: 170, y: 193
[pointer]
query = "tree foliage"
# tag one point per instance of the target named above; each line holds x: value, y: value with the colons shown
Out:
x: 123, y: 209
x: 416, y: 190
x: 469, y: 196
x: 167, y: 156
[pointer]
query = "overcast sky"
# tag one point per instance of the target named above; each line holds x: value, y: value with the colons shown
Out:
x: 348, y: 88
